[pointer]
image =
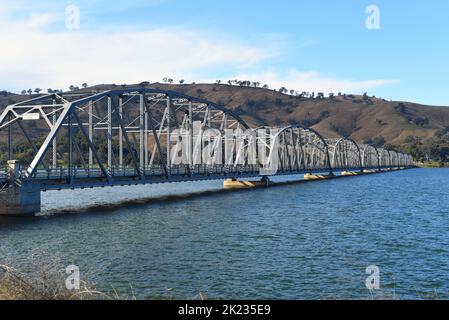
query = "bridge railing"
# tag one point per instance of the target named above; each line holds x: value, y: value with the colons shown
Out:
x: 117, y: 172
x: 3, y: 173
x: 157, y: 171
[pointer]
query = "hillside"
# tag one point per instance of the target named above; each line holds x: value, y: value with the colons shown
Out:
x: 362, y: 119
x: 349, y: 116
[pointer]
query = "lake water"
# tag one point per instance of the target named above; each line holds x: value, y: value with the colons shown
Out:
x: 296, y: 241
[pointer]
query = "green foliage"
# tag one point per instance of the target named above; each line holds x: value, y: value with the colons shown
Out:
x: 378, y: 142
x: 430, y: 150
x: 367, y: 140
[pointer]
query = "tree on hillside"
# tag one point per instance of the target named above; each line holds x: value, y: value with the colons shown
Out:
x: 378, y: 142
x: 331, y: 96
x: 181, y: 81
x: 37, y: 90
x: 367, y: 140
x: 283, y: 90
x: 72, y: 87
x: 144, y: 83
x: 30, y: 91
x: 292, y: 92
x: 401, y: 108
x: 230, y: 82
x: 50, y: 90
x: 218, y: 82
x: 84, y: 85
x: 24, y: 92
x: 265, y: 86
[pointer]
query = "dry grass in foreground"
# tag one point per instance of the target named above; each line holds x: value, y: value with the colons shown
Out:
x: 46, y: 284
x: 49, y: 284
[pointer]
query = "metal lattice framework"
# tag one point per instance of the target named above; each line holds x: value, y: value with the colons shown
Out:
x: 141, y: 135
x: 385, y: 158
x: 370, y: 156
x: 294, y: 148
x: 345, y: 154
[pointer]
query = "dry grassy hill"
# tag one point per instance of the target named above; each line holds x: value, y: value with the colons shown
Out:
x: 349, y: 115
x: 362, y: 119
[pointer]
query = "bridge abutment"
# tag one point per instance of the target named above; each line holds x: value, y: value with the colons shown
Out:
x: 20, y: 198
x: 24, y: 200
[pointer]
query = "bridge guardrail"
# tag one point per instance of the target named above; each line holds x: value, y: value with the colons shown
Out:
x: 3, y: 174
x: 83, y: 173
x: 157, y: 171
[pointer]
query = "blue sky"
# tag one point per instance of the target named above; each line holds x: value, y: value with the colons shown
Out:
x: 303, y: 45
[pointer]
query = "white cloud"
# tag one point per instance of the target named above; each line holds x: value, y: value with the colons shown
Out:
x: 313, y: 81
x: 38, y: 51
x: 32, y: 56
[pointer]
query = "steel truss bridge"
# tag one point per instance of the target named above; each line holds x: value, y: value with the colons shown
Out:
x: 141, y: 136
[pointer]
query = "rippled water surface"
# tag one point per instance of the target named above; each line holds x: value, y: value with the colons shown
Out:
x: 295, y: 241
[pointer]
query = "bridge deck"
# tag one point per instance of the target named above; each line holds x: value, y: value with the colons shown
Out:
x: 58, y: 179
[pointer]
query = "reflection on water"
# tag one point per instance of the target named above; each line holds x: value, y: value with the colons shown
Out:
x: 295, y: 241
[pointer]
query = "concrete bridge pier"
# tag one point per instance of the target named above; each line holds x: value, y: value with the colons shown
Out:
x: 20, y: 198
x: 240, y: 184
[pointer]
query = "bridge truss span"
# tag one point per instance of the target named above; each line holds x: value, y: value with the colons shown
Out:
x: 141, y: 135
x: 297, y: 148
x: 370, y: 156
x: 345, y: 154
x: 114, y: 133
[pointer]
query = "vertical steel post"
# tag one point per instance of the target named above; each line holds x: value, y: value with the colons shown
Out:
x: 70, y: 147
x: 10, y: 142
x: 146, y: 138
x: 91, y: 134
x: 54, y: 143
x: 110, y: 135
x: 190, y: 135
x: 141, y: 134
x: 120, y: 133
x: 169, y: 134
x: 303, y: 153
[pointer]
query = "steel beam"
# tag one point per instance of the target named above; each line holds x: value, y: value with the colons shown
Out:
x: 91, y: 133
x: 109, y: 136
x: 55, y: 142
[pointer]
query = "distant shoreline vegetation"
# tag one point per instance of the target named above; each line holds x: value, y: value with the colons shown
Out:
x: 431, y: 153
x: 433, y: 165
